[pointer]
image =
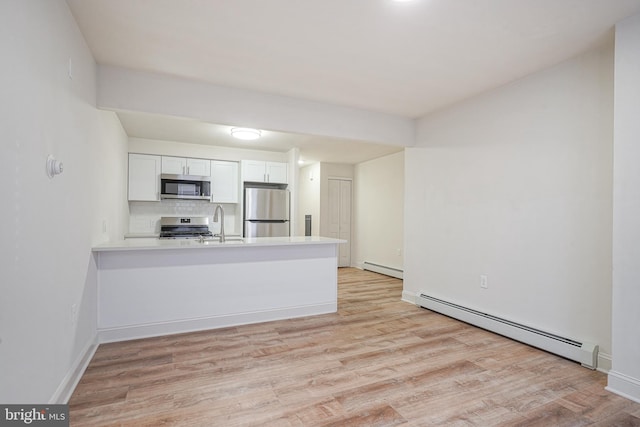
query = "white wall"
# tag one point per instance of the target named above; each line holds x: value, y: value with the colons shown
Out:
x: 48, y: 225
x: 309, y: 198
x: 377, y: 206
x: 516, y: 184
x: 378, y: 233
x: 624, y: 378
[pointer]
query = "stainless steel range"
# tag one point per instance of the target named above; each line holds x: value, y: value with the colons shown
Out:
x: 184, y: 227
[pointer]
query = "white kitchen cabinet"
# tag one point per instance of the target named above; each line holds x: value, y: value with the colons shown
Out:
x: 199, y: 167
x: 224, y: 181
x: 174, y: 165
x: 258, y: 171
x: 144, y: 177
x: 253, y: 171
x: 276, y: 172
x: 186, y: 166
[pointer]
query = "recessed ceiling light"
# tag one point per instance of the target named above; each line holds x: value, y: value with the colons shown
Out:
x: 245, y: 133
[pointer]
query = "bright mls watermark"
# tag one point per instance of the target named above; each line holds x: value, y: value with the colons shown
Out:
x: 34, y: 415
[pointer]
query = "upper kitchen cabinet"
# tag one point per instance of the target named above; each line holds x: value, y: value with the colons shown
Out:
x: 224, y: 182
x: 277, y: 172
x: 144, y: 177
x: 271, y: 172
x: 186, y: 166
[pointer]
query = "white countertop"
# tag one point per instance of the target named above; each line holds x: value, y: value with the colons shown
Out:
x: 164, y: 244
x: 141, y: 235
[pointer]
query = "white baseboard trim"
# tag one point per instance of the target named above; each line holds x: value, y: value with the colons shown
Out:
x: 192, y: 325
x: 70, y: 381
x: 383, y: 269
x: 409, y: 297
x: 623, y: 385
x: 604, y: 362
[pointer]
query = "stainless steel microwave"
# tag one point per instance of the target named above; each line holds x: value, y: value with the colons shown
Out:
x: 190, y: 187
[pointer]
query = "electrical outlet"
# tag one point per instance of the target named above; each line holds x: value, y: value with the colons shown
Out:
x: 104, y: 225
x: 399, y: 252
x: 483, y: 282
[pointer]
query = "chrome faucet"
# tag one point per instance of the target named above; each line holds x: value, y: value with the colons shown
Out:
x: 215, y: 219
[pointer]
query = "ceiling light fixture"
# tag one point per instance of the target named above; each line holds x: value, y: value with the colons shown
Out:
x: 245, y: 133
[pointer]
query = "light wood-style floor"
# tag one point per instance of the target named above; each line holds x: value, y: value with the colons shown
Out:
x: 377, y: 362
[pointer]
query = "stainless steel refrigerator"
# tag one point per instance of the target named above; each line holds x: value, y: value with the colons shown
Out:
x: 266, y: 212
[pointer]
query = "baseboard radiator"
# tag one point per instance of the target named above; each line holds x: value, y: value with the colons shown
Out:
x: 382, y: 269
x: 582, y: 352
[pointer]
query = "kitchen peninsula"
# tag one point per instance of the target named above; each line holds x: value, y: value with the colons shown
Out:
x: 151, y: 287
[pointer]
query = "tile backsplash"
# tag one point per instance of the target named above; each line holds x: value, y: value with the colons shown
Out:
x: 144, y: 217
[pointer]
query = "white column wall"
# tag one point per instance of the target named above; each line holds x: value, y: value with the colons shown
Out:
x: 624, y: 378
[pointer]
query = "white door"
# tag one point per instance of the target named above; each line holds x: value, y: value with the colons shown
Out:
x: 340, y: 217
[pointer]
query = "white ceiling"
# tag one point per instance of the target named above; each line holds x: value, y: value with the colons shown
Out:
x: 312, y: 148
x: 406, y: 59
